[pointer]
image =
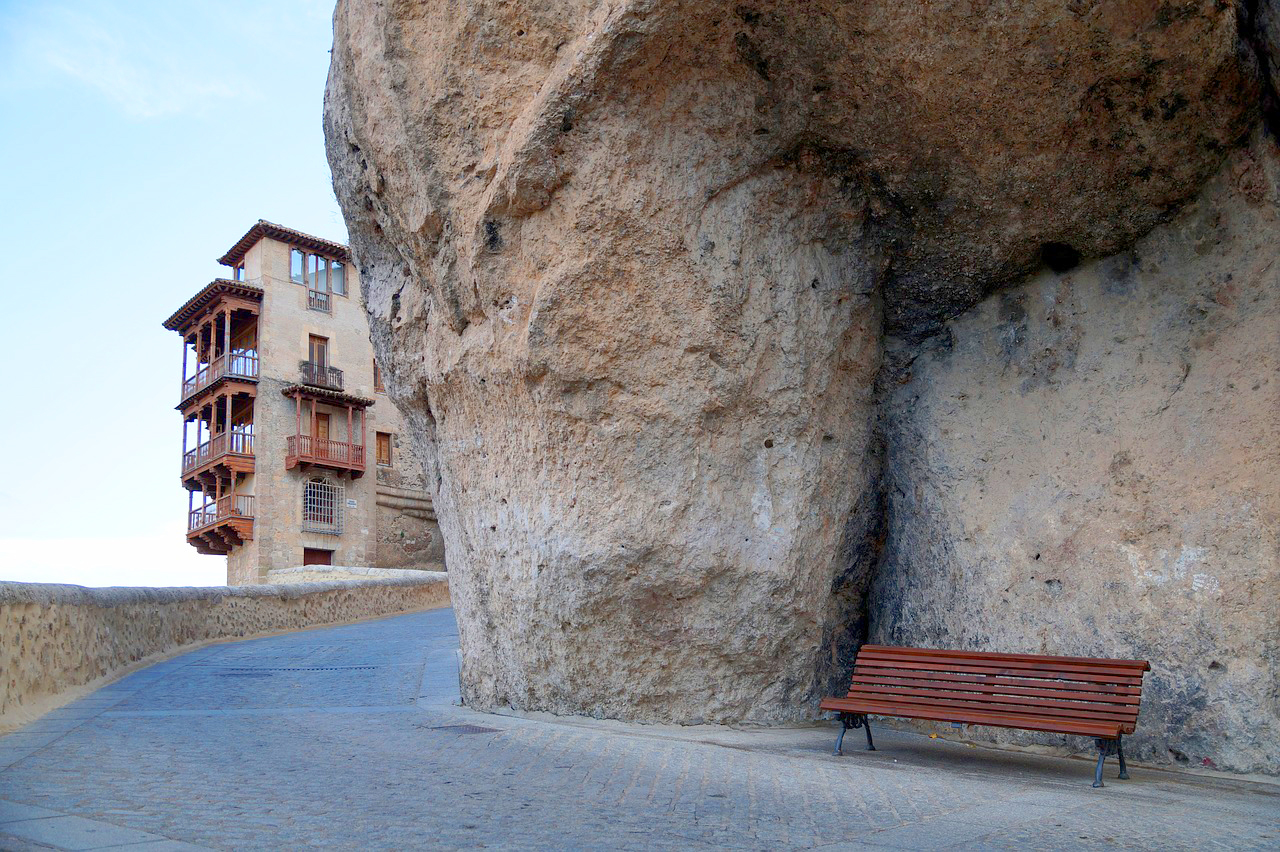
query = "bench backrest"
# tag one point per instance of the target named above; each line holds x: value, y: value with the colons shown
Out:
x: 1081, y: 690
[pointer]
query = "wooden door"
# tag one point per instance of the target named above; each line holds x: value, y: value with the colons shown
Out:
x: 322, y: 427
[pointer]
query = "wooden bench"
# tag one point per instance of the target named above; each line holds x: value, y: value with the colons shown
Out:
x: 1062, y: 695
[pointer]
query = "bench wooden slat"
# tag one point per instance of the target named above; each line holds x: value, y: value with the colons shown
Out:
x: 1118, y: 711
x: 958, y: 664
x: 1140, y: 665
x: 984, y: 687
x: 1102, y: 689
x: 978, y: 717
x: 1012, y: 672
x: 1081, y: 712
x: 1085, y: 696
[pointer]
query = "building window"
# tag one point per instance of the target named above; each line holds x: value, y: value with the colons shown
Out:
x: 239, y: 273
x: 297, y: 266
x: 322, y: 507
x: 384, y: 448
x: 337, y: 278
x: 377, y: 378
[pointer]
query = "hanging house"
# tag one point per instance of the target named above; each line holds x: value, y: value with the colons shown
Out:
x: 291, y: 452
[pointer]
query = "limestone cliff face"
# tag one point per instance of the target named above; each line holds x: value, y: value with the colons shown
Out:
x: 1089, y: 464
x: 643, y: 270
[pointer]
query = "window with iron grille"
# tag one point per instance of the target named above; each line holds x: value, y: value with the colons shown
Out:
x: 322, y: 502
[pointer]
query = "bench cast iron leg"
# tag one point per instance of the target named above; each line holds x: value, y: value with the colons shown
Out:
x: 1124, y: 771
x: 844, y: 726
x: 853, y: 720
x: 1105, y: 748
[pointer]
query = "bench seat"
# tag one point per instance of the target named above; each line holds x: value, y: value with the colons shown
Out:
x: 1087, y: 696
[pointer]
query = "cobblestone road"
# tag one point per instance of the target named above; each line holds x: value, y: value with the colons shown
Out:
x: 350, y: 737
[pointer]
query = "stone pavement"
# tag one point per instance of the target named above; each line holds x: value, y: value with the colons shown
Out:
x: 350, y: 737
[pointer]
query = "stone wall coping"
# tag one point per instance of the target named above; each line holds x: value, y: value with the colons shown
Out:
x: 12, y: 592
x: 362, y: 570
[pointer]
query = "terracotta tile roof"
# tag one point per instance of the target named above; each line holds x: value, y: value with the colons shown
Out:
x: 325, y: 393
x: 217, y: 287
x: 328, y: 248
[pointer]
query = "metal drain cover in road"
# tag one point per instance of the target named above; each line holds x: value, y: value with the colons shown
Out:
x: 466, y: 729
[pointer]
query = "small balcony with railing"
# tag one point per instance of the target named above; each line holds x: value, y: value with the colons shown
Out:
x: 307, y: 450
x: 221, y: 524
x: 232, y: 450
x: 320, y: 375
x: 319, y: 300
x: 239, y: 364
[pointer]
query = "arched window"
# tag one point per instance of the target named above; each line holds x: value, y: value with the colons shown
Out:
x: 322, y: 506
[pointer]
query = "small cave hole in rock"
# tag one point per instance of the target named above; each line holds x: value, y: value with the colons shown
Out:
x: 768, y: 443
x: 1037, y: 557
x: 492, y: 239
x: 1059, y: 257
x: 1216, y: 666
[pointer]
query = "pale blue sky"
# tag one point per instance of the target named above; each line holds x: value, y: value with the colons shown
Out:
x: 140, y: 140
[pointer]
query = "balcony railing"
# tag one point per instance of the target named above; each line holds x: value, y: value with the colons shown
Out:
x: 241, y: 365
x: 320, y: 375
x: 318, y: 300
x: 225, y: 508
x: 240, y: 443
x: 305, y: 449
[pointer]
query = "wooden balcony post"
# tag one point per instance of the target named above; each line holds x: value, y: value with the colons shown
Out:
x: 364, y: 416
x: 226, y: 336
x: 184, y: 364
x: 184, y: 436
x: 297, y: 398
x: 350, y: 434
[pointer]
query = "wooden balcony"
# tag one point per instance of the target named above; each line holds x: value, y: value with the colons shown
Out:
x: 320, y: 375
x: 304, y: 450
x: 221, y: 525
x: 319, y: 300
x: 233, y: 451
x: 240, y: 365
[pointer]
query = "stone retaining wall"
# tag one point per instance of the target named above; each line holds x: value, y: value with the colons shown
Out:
x: 58, y: 641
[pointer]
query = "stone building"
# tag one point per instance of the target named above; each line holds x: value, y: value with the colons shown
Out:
x: 292, y: 453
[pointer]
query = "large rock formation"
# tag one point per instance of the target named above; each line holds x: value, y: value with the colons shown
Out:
x: 641, y: 272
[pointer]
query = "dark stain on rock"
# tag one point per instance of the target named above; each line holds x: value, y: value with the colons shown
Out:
x: 750, y: 54
x: 1117, y: 273
x: 1170, y: 107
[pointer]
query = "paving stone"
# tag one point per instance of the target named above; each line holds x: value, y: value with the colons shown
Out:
x: 72, y: 832
x: 349, y: 737
x: 13, y: 811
